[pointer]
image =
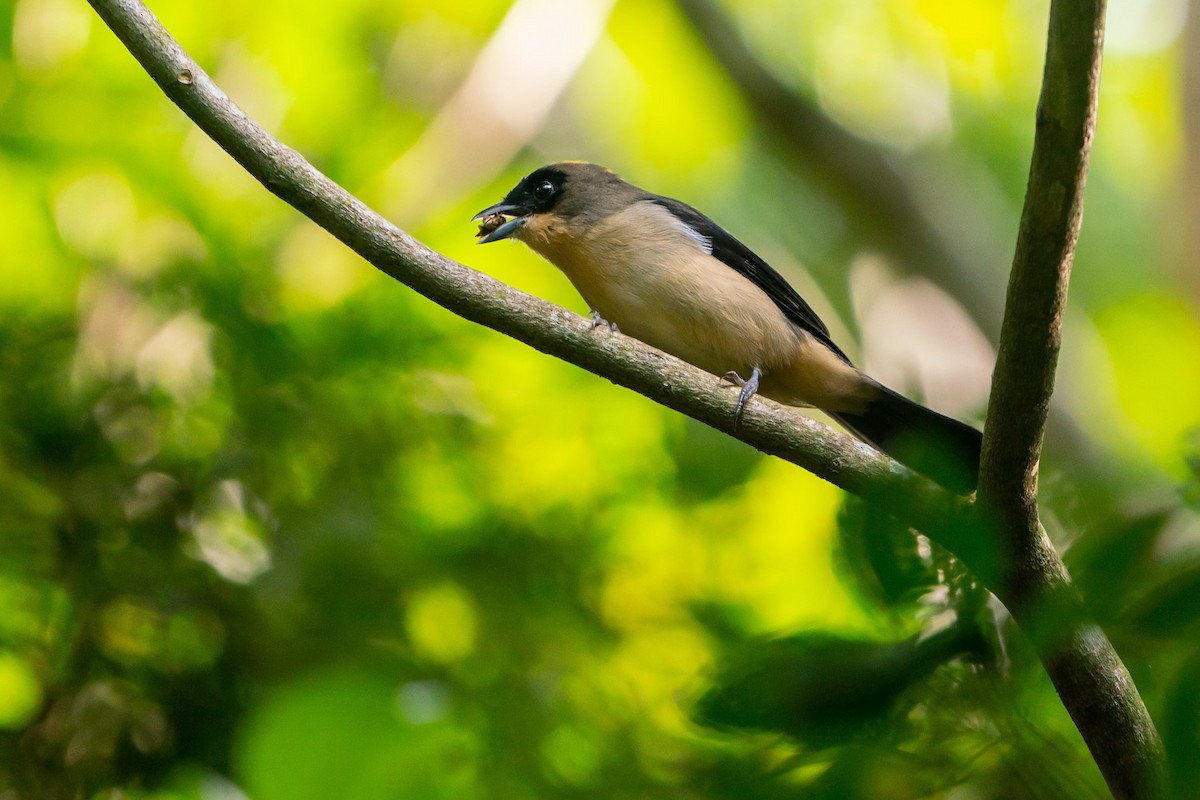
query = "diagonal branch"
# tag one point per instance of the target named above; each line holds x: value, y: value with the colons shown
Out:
x: 1086, y: 671
x: 769, y: 427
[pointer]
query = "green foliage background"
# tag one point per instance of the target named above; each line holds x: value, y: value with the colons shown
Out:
x: 272, y: 526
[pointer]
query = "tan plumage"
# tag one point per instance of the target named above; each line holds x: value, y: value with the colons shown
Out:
x: 667, y: 275
x: 639, y: 270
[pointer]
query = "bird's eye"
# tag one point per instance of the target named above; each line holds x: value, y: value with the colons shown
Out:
x: 543, y: 191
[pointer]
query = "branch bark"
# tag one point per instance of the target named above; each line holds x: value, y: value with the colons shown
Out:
x: 769, y: 427
x: 1086, y: 670
x: 1089, y: 676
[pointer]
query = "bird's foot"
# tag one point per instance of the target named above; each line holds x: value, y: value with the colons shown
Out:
x: 749, y: 389
x: 598, y: 320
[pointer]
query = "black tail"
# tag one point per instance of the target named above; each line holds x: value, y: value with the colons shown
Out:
x: 930, y: 443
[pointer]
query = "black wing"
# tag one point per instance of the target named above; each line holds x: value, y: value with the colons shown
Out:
x: 741, y: 258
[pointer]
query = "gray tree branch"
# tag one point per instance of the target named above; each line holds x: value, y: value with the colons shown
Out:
x: 1034, y: 584
x: 1093, y: 672
x: 769, y: 427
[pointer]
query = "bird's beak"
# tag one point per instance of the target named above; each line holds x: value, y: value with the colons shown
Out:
x: 494, y: 227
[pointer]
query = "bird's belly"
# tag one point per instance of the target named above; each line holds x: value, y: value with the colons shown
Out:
x: 682, y: 300
x: 704, y: 313
x: 700, y: 339
x: 722, y: 325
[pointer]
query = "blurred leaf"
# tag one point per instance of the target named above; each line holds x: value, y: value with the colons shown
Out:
x: 1160, y: 401
x: 1110, y: 564
x: 727, y: 623
x: 1170, y: 608
x: 871, y: 773
x: 822, y: 689
x: 20, y: 692
x: 887, y: 562
x: 344, y: 735
x: 707, y: 462
x: 1180, y: 720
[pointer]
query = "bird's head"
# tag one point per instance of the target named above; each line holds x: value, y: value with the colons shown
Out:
x: 570, y: 191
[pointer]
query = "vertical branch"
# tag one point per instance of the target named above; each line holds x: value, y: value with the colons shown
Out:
x: 1089, y: 676
x: 1037, y: 290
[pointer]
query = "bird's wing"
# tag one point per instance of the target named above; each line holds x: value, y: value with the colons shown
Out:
x: 725, y: 247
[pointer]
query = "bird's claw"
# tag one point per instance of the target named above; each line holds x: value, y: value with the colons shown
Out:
x: 598, y: 320
x: 749, y: 389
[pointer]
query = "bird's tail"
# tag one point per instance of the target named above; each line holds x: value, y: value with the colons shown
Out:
x: 930, y: 443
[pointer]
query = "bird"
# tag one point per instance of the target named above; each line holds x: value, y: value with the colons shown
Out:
x: 659, y: 270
